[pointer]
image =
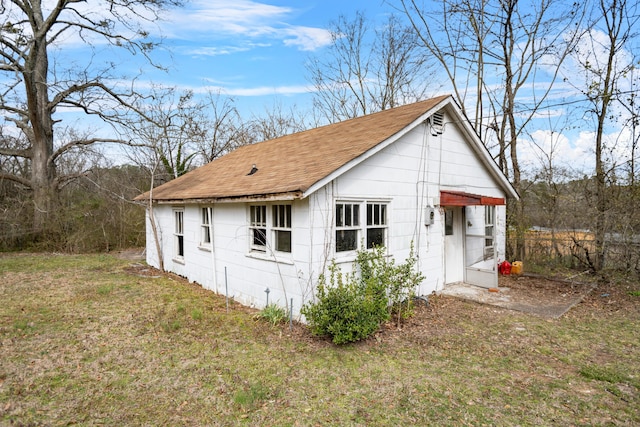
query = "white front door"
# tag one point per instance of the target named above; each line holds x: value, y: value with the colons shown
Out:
x: 453, y: 245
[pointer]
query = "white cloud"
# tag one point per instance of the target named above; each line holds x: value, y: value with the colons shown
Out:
x: 214, y: 50
x: 307, y: 38
x: 260, y: 90
x: 547, y: 148
x: 573, y: 152
x: 246, y: 19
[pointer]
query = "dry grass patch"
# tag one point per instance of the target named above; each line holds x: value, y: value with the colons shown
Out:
x: 86, y: 341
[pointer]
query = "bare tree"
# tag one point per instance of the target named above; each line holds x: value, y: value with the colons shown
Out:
x: 36, y: 83
x: 275, y: 122
x: 367, y: 70
x: 605, y: 58
x: 502, y: 60
x: 225, y: 129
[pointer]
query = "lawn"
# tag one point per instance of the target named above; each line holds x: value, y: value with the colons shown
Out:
x: 85, y: 340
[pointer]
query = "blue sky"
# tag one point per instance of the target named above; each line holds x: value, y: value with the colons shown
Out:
x: 250, y: 50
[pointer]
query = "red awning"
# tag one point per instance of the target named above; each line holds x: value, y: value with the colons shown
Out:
x: 459, y: 198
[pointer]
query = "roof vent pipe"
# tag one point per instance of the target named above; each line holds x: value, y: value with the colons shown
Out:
x: 253, y: 170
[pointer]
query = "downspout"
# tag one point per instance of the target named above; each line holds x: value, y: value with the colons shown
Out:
x: 213, y: 252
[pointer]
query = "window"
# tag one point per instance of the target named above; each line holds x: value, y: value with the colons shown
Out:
x: 347, y: 226
x: 258, y: 227
x: 489, y: 225
x: 178, y: 234
x: 282, y: 227
x: 270, y: 228
x: 349, y: 230
x: 448, y: 222
x: 205, y: 227
x: 376, y: 224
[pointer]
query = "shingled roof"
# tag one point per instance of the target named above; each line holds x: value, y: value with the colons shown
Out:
x: 288, y: 166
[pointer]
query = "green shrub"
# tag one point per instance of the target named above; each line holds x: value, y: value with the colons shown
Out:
x: 352, y: 307
x: 399, y: 281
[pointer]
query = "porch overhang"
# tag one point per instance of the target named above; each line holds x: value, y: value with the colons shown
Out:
x: 460, y: 198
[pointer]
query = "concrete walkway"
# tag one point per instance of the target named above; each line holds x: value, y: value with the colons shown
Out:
x: 549, y: 305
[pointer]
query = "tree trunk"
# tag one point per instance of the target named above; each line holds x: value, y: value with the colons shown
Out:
x: 601, y: 199
x: 509, y: 42
x: 40, y: 132
x: 605, y: 98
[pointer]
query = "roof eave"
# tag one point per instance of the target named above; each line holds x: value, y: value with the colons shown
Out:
x: 249, y: 198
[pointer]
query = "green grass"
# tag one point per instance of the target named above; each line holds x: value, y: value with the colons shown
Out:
x: 86, y: 343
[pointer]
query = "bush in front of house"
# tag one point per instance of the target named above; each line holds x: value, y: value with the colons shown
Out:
x: 351, y: 307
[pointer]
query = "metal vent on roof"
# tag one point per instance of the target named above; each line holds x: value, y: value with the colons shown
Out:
x: 437, y: 123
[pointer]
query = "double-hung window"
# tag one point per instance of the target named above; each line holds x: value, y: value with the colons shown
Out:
x: 351, y: 228
x: 258, y: 227
x: 205, y: 227
x: 347, y: 226
x: 178, y: 233
x: 376, y: 224
x: 281, y: 216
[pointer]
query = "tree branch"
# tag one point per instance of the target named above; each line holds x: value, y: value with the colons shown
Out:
x: 15, y: 178
x: 26, y: 153
x: 63, y: 180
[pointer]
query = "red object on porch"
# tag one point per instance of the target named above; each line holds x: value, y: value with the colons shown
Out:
x: 504, y: 268
x: 459, y: 198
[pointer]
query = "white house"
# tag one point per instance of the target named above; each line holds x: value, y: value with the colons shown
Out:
x: 274, y: 214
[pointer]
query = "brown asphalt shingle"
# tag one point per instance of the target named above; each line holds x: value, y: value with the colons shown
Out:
x: 293, y: 163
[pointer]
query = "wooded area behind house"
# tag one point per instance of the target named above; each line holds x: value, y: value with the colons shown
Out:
x: 524, y: 73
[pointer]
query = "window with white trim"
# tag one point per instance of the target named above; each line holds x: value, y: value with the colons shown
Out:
x: 178, y: 233
x: 350, y: 228
x: 489, y: 227
x: 281, y: 215
x: 258, y: 227
x: 205, y: 227
x: 376, y: 224
x: 270, y: 228
x: 347, y: 226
